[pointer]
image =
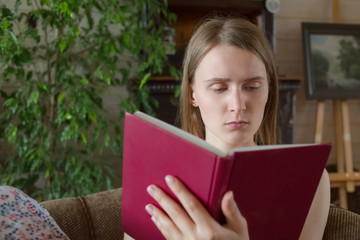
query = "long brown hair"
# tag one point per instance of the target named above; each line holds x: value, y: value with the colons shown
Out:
x: 239, y: 33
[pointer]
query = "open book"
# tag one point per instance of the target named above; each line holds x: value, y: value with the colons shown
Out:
x: 273, y: 185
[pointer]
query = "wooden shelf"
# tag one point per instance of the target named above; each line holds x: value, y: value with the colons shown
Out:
x: 246, y: 7
x: 189, y: 12
x: 339, y: 180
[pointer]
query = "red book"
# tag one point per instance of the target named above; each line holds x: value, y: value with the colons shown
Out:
x: 273, y: 185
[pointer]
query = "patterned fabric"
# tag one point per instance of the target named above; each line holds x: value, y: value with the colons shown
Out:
x: 342, y: 224
x: 21, y: 217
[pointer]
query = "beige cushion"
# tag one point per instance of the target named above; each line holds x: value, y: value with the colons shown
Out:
x: 342, y: 224
x: 93, y: 217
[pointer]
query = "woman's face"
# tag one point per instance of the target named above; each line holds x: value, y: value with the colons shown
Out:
x: 231, y: 89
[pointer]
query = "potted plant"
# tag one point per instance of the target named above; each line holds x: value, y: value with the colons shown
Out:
x: 58, y: 58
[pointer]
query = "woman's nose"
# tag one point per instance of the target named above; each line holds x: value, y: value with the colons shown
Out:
x: 237, y: 102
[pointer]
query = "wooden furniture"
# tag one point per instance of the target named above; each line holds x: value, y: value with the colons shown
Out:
x: 163, y: 89
x: 190, y: 12
x: 345, y: 179
x: 287, y: 106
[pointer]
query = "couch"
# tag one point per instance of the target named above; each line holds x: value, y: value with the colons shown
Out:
x: 98, y: 216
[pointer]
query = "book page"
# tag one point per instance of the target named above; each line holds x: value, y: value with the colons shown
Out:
x: 180, y: 133
x: 202, y: 143
x: 266, y: 147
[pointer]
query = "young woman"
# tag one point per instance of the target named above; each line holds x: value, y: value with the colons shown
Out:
x: 229, y: 97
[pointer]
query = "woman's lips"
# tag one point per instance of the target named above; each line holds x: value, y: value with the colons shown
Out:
x: 237, y: 124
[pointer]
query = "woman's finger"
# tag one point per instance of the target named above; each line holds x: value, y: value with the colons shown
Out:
x: 234, y: 219
x: 165, y: 225
x: 175, y: 213
x: 192, y: 205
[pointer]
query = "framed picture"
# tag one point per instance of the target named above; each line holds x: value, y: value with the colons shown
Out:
x: 331, y: 60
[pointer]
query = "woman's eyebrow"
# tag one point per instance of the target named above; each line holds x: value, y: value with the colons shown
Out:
x: 216, y: 79
x: 256, y: 78
x: 219, y: 79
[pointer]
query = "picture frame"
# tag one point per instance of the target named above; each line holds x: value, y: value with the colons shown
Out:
x: 331, y: 60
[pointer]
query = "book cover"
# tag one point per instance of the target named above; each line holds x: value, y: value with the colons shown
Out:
x: 273, y: 185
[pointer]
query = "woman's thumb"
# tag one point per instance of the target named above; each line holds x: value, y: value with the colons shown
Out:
x: 234, y: 219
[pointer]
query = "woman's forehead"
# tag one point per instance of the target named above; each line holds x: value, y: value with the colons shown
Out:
x: 224, y: 61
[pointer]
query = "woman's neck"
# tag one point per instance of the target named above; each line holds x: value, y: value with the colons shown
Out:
x: 225, y: 147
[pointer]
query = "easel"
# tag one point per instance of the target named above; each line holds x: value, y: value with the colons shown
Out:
x: 345, y: 178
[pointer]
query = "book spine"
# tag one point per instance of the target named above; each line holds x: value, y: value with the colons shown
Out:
x: 220, y: 186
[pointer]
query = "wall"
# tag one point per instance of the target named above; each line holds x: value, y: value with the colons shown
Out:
x: 289, y: 57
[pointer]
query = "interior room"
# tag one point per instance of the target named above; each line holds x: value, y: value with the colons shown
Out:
x: 306, y: 115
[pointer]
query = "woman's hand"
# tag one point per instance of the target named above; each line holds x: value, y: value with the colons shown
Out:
x: 192, y: 220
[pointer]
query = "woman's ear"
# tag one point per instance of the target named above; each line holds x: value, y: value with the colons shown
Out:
x: 193, y: 97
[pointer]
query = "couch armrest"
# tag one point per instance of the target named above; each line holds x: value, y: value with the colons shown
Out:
x: 92, y: 217
x: 342, y: 224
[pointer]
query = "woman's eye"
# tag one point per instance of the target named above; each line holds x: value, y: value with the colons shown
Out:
x: 252, y: 88
x: 219, y: 90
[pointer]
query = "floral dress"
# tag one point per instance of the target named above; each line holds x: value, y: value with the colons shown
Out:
x: 21, y: 217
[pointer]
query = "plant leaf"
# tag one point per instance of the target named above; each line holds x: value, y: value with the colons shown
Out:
x: 144, y: 80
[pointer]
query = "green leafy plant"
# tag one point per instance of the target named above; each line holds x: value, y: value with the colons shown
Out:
x: 58, y: 58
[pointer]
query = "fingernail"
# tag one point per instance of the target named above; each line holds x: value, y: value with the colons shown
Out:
x: 150, y: 209
x: 151, y: 190
x: 231, y: 197
x: 169, y: 179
